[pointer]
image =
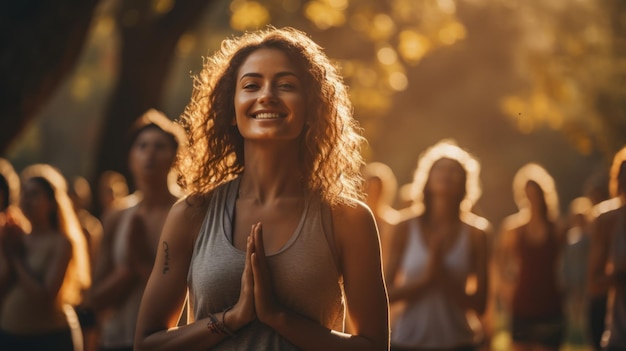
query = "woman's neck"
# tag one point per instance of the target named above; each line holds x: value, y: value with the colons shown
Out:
x: 268, y: 175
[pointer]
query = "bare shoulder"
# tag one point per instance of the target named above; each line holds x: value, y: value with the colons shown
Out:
x: 480, y: 228
x: 509, y: 228
x: 187, y: 214
x: 602, y: 225
x: 512, y: 223
x: 606, y: 206
x: 477, y: 223
x: 610, y: 215
x: 352, y: 218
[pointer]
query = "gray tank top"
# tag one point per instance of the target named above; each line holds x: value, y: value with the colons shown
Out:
x: 305, y: 275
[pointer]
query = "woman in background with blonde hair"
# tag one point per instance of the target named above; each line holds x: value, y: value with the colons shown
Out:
x: 529, y: 255
x: 48, y: 265
x: 436, y: 263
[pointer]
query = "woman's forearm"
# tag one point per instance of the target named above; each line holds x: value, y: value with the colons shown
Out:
x: 307, y: 334
x: 194, y: 336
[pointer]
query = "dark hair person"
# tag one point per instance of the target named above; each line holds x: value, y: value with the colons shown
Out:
x: 273, y: 245
x: 131, y: 234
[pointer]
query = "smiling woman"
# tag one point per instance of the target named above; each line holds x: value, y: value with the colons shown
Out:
x: 273, y: 243
x: 269, y: 90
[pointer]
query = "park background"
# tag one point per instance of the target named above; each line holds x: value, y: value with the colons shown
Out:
x: 511, y: 81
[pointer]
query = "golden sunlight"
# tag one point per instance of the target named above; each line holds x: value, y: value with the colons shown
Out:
x: 326, y: 13
x: 413, y: 46
x: 248, y: 15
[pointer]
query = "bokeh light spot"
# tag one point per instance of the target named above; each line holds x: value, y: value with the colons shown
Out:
x: 248, y: 15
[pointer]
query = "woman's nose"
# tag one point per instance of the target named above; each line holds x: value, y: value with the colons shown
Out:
x: 268, y: 95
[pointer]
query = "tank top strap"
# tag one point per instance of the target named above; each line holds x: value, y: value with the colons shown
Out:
x: 327, y: 227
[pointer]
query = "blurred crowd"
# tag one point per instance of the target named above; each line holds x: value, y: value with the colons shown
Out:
x: 72, y: 279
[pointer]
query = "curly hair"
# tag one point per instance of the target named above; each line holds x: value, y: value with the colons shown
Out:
x: 331, y: 141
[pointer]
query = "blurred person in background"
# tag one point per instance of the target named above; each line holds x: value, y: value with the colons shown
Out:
x: 607, y: 262
x: 529, y: 252
x: 131, y: 235
x: 9, y: 196
x: 48, y: 263
x: 597, y: 190
x: 113, y: 194
x: 9, y: 185
x: 575, y: 263
x: 80, y: 194
x: 380, y: 188
x: 436, y: 264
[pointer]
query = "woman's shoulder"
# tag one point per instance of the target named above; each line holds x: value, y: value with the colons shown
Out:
x: 477, y: 224
x: 191, y: 207
x: 351, y: 213
x: 408, y: 215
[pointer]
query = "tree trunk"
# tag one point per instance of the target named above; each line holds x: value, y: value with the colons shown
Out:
x: 147, y: 51
x: 41, y: 42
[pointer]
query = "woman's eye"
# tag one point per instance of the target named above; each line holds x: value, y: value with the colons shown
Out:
x: 288, y: 86
x: 250, y: 86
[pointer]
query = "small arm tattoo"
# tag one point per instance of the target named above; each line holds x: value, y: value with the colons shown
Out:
x: 166, y: 251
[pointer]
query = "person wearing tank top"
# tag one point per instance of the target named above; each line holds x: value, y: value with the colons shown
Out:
x: 607, y: 262
x: 530, y: 247
x: 131, y: 235
x: 44, y: 266
x: 436, y: 262
x: 273, y: 248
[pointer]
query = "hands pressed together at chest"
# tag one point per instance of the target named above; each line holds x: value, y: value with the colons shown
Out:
x: 256, y: 299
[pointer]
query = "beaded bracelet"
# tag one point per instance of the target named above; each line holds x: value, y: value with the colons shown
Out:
x: 216, y: 326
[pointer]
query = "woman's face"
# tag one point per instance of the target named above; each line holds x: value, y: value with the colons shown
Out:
x: 447, y: 178
x: 152, y: 154
x: 269, y: 97
x: 34, y: 202
x: 534, y: 194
